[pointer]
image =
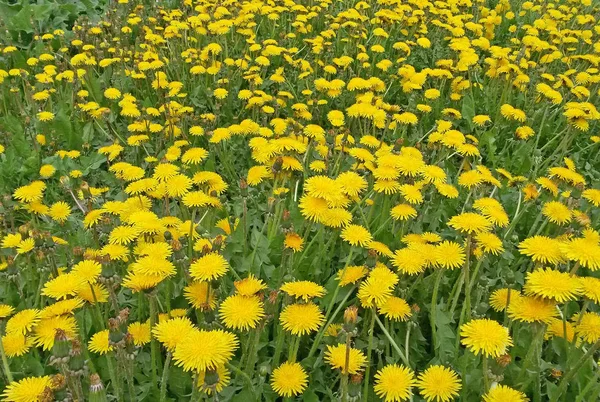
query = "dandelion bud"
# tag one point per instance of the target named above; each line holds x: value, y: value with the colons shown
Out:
x: 415, y: 308
x: 244, y: 187
x: 482, y: 308
x: 270, y: 205
x: 509, y: 277
x: 217, y: 242
x: 65, y: 181
x: 47, y: 395
x: 263, y: 370
x: 273, y: 296
x: 209, y: 316
x: 211, y: 378
x: 61, y: 346
x: 354, y: 387
x: 351, y: 315
x: 504, y: 360
x: 556, y: 373
x: 371, y: 259
x: 97, y: 391
x: 277, y: 165
x: 287, y: 223
x: 356, y: 378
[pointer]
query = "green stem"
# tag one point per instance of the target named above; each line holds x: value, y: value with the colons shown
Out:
x: 153, y: 342
x: 5, y: 365
x: 195, y: 390
x: 113, y: 375
x: 397, y: 348
x: 475, y: 272
x: 253, y: 347
x: 564, y: 383
x: 486, y: 379
x: 321, y: 333
x: 433, y: 309
x: 293, y: 352
x: 191, y: 235
x: 467, y: 280
x: 368, y: 369
x: 165, y: 378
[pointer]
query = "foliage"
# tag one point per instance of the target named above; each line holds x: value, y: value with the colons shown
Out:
x: 317, y: 201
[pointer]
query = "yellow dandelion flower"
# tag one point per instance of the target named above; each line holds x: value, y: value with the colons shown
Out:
x: 204, y: 350
x: 289, y: 379
x: 394, y: 383
x: 300, y: 319
x: 304, y: 290
x: 208, y: 267
x: 336, y: 357
x: 485, y: 336
x: 439, y: 384
x: 552, y: 284
x: 241, y: 312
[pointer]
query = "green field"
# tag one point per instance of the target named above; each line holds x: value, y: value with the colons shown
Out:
x: 296, y: 200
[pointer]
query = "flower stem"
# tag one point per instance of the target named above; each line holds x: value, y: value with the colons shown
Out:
x: 319, y: 336
x: 165, y: 378
x: 433, y: 308
x: 5, y: 365
x: 571, y: 373
x: 397, y: 348
x: 486, y: 379
x: 153, y: 344
x: 368, y: 369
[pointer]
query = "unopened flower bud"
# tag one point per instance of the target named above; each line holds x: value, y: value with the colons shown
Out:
x: 351, y: 315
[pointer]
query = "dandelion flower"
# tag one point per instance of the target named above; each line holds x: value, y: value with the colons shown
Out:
x: 356, y: 235
x: 22, y: 322
x: 30, y: 389
x: 583, y: 251
x: 16, y: 344
x: 204, y: 350
x: 351, y: 274
x: 394, y: 383
x: 304, y: 290
x: 208, y: 267
x: 500, y: 299
x: 241, y: 312
x: 503, y: 393
x: 485, y: 336
x: 402, y: 212
x: 396, y: 308
x: 590, y: 288
x: 588, y: 327
x: 557, y: 212
x: 199, y: 296
x: 289, y: 379
x: 336, y: 357
x: 470, y: 222
x: 45, y: 331
x: 300, y: 319
x: 99, y: 343
x: 532, y: 309
x: 439, y: 384
x: 140, y: 331
x: 552, y: 284
x: 449, y: 254
x: 171, y: 332
x: 542, y: 249
x: 6, y: 310
x: 249, y: 286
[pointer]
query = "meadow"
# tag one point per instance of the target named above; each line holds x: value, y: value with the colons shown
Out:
x: 261, y: 200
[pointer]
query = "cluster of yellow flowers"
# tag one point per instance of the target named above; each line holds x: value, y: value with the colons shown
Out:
x: 398, y: 194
